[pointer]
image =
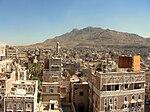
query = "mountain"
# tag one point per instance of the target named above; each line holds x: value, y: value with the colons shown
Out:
x: 95, y: 36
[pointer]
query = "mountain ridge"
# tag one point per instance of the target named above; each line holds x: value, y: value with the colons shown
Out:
x: 95, y: 36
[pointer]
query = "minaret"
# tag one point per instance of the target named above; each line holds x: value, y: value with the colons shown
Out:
x: 57, y: 48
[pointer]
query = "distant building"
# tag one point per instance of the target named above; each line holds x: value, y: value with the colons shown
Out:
x: 6, y: 66
x: 57, y: 47
x: 22, y: 56
x: 2, y: 51
x: 22, y: 73
x: 11, y: 52
x: 52, y: 67
x: 71, y: 66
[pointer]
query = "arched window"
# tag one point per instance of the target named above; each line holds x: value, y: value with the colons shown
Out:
x: 133, y: 97
x: 9, y: 105
x: 30, y: 89
x: 105, y: 101
x: 139, y: 97
x: 115, y: 103
x: 19, y: 106
x: 125, y: 98
x: 110, y: 101
x: 28, y: 106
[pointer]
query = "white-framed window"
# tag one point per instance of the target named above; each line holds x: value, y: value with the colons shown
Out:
x: 133, y: 97
x: 110, y: 104
x: 19, y: 106
x: 126, y: 86
x: 110, y: 100
x: 30, y: 89
x: 105, y: 102
x: 10, y: 105
x: 27, y: 89
x: 125, y: 98
x: 47, y: 89
x: 139, y: 96
x: 139, y: 110
x: 28, y: 106
x: 132, y: 105
x: 125, y: 105
x: 115, y: 103
x: 139, y: 105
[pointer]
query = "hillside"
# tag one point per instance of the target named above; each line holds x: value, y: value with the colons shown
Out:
x: 95, y: 36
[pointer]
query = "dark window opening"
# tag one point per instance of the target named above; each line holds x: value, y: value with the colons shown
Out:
x: 81, y: 93
x: 132, y: 105
x: 109, y: 88
x: 52, y: 106
x: 51, y: 90
x: 139, y: 96
x: 125, y: 98
x: 116, y: 87
x: 133, y: 97
x: 81, y: 107
x: 110, y: 101
x: 126, y: 86
x: 125, y: 106
x: 75, y: 88
x: 137, y: 86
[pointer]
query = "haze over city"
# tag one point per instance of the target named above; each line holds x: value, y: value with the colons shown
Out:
x: 74, y: 56
x: 25, y: 22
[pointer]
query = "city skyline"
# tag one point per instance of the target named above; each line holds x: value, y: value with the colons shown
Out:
x: 28, y: 22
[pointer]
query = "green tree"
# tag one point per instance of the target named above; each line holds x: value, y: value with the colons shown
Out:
x: 36, y: 69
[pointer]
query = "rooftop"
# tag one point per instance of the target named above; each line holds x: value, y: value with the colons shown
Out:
x: 27, y: 82
x: 3, y: 75
x: 19, y: 93
x: 52, y: 83
x: 75, y: 78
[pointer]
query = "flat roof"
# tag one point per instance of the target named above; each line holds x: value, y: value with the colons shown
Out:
x: 31, y: 82
x: 52, y: 83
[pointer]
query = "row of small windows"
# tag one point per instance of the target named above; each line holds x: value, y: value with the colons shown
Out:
x: 133, y: 105
x: 122, y: 87
x: 19, y: 106
x: 108, y: 102
x: 28, y: 89
x: 133, y: 97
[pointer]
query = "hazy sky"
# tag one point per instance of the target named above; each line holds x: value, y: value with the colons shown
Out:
x: 32, y: 21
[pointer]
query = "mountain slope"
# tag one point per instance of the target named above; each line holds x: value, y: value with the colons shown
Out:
x: 96, y: 36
